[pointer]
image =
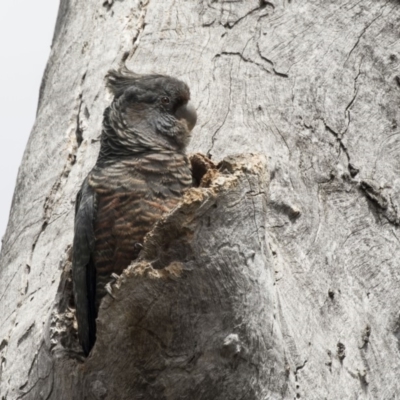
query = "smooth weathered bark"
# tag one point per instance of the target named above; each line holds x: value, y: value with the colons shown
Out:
x: 313, y: 86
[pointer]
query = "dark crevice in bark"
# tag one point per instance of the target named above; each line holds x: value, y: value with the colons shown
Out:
x: 248, y: 60
x: 3, y: 344
x: 353, y: 170
x: 79, y: 130
x: 265, y: 3
x: 143, y: 7
x: 341, y: 351
x: 281, y: 74
x: 338, y: 137
x: 25, y: 335
x: 108, y: 4
x: 350, y: 105
x: 298, y: 368
x: 373, y: 192
x: 382, y: 203
x: 230, y: 25
x: 292, y: 212
x: 201, y: 165
x: 243, y: 58
x: 208, y: 24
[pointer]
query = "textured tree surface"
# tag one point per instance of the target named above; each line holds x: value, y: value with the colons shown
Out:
x: 289, y: 287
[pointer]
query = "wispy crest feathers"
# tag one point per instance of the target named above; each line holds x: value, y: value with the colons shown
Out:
x: 119, y: 80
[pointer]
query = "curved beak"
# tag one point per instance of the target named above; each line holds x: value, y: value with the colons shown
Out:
x: 188, y: 113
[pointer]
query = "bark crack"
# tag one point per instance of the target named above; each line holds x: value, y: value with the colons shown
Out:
x: 383, y: 203
x: 281, y: 74
x: 33, y: 363
x: 298, y: 368
x: 79, y: 130
x: 348, y: 107
x: 143, y: 7
x: 363, y: 32
x: 26, y: 334
x: 338, y: 137
x: 213, y: 137
x: 242, y: 57
x: 353, y: 171
x: 230, y: 25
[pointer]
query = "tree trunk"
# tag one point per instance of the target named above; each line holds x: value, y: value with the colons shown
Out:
x: 281, y: 277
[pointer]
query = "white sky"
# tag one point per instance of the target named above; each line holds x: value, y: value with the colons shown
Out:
x: 26, y: 31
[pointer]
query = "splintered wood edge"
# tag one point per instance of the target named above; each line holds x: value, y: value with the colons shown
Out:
x: 145, y: 270
x: 194, y: 200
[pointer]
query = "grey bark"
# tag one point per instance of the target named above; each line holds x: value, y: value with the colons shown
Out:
x: 289, y: 287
